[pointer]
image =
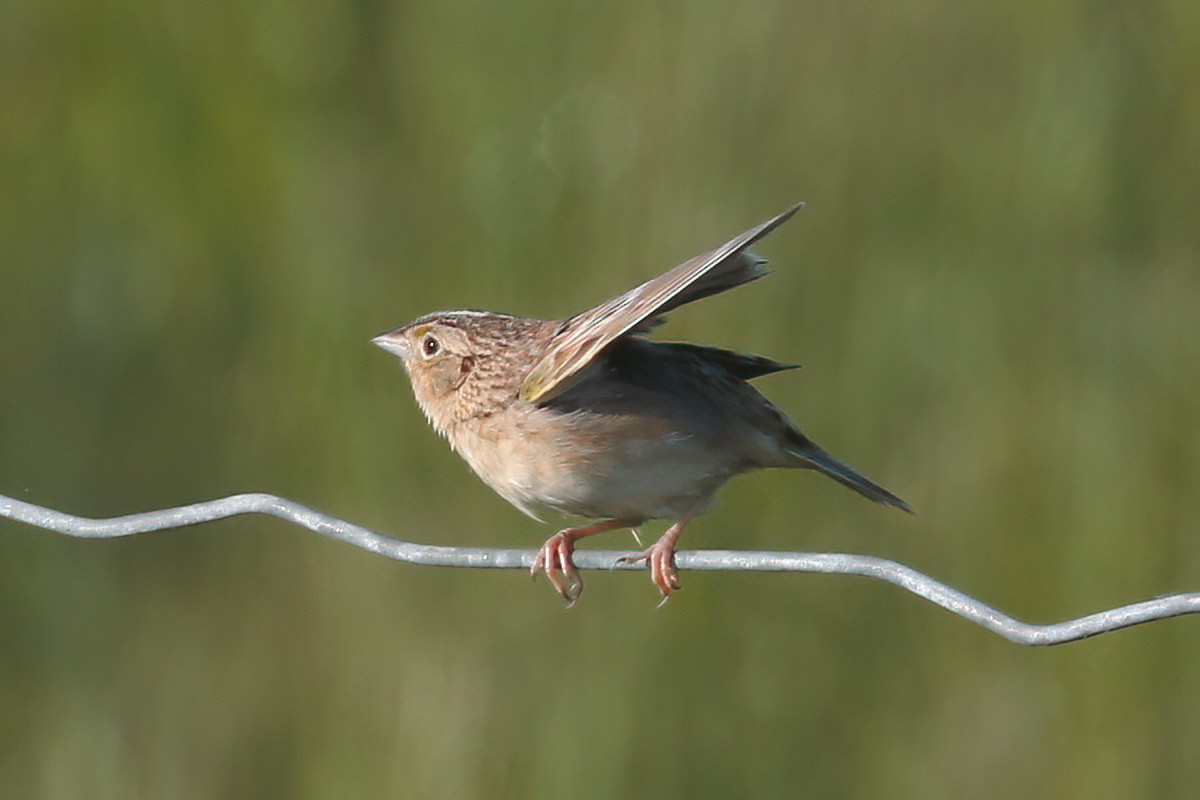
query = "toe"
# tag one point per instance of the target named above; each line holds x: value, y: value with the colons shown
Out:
x: 669, y: 572
x: 636, y: 557
x: 555, y: 575
x: 662, y: 571
x: 656, y: 574
x: 554, y: 558
x: 560, y: 585
x: 661, y: 562
x: 574, y: 581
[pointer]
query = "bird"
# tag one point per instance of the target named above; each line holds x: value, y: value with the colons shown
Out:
x: 590, y: 419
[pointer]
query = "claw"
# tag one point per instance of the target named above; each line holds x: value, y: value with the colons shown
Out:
x: 554, y: 558
x: 660, y: 558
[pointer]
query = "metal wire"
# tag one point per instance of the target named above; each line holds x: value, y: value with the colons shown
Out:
x: 500, y: 558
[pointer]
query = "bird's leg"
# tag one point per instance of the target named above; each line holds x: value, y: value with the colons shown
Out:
x: 660, y: 556
x: 555, y: 557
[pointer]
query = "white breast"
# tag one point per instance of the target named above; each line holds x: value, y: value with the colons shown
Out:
x: 597, y: 467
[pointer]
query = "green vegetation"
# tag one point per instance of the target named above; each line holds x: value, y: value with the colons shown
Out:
x: 207, y: 210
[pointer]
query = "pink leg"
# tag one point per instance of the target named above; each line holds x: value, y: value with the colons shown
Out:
x: 555, y: 557
x: 660, y: 556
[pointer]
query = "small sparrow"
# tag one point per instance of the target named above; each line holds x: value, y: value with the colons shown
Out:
x: 587, y: 418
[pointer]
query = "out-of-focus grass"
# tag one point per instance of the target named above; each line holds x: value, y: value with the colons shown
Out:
x: 206, y: 212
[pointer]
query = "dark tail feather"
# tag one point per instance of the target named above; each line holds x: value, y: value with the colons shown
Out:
x: 813, y: 457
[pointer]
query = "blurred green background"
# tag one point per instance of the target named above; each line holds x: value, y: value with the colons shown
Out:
x: 206, y: 211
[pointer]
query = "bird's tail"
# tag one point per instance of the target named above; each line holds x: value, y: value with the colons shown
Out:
x: 811, y: 456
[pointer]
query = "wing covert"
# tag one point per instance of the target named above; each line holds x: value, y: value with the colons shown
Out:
x: 584, y: 336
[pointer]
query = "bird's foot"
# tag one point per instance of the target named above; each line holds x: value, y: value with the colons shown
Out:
x: 554, y: 558
x: 660, y: 557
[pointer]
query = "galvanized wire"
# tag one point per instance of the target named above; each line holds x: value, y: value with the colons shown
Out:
x: 502, y: 558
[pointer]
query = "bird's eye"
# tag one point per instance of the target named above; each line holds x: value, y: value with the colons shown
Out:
x: 430, y: 346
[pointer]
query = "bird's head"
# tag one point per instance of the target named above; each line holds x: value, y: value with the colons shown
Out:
x: 463, y: 363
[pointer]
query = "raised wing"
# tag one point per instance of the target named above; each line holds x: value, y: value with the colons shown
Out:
x: 585, y: 335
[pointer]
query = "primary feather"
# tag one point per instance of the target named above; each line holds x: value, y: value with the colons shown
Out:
x: 584, y: 336
x: 743, y: 365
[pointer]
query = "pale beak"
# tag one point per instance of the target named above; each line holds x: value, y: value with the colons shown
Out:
x: 394, y: 342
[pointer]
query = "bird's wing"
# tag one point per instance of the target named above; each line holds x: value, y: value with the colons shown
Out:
x: 585, y: 335
x: 743, y: 365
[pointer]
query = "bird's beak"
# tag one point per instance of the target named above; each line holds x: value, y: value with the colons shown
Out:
x: 394, y: 342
